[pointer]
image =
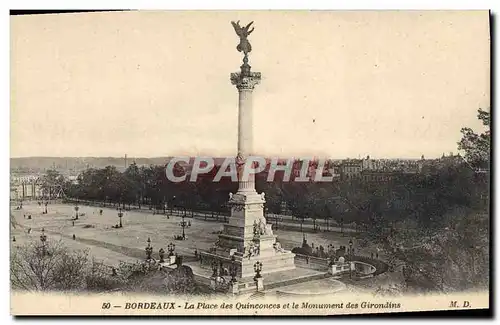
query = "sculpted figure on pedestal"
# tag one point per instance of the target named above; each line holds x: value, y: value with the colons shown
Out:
x: 243, y: 33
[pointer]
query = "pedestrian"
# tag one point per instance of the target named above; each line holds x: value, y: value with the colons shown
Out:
x: 74, y: 237
x: 377, y: 255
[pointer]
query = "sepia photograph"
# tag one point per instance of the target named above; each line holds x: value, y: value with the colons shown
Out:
x: 249, y: 162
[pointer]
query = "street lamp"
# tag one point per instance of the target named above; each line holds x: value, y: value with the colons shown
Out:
x: 46, y: 202
x: 76, y: 211
x: 183, y: 225
x: 350, y: 258
x: 233, y: 269
x: 43, y: 239
x: 171, y: 248
x: 257, y: 268
x: 162, y: 255
x: 149, y: 250
x: 120, y: 215
x: 172, y: 205
x: 215, y: 269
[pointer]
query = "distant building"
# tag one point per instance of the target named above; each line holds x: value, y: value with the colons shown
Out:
x: 351, y: 169
x: 25, y: 187
x: 377, y: 176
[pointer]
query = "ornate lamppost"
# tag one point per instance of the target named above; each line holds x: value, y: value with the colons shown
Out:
x: 76, y: 211
x: 257, y: 268
x: 350, y: 258
x: 43, y: 239
x: 162, y: 255
x: 183, y: 225
x: 120, y: 215
x: 233, y: 269
x: 171, y: 248
x: 172, y: 205
x: 46, y: 203
x: 149, y: 250
x: 215, y: 269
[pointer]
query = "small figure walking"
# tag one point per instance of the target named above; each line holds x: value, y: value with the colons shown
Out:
x: 74, y: 237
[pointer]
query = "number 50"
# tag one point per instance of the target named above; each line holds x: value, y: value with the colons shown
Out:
x: 106, y: 305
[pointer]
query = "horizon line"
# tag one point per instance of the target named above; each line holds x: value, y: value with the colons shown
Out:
x: 226, y: 156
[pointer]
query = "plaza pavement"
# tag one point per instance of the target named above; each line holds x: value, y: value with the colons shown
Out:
x: 111, y: 246
x: 106, y: 243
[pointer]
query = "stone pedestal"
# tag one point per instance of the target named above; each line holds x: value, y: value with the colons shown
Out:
x: 213, y: 284
x: 171, y: 259
x: 234, y: 288
x: 247, y: 238
x: 260, y: 284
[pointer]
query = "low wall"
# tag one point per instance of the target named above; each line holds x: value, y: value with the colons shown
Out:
x: 338, y: 268
x: 364, y: 268
x: 312, y: 262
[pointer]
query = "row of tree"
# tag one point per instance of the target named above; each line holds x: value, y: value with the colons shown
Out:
x: 425, y: 197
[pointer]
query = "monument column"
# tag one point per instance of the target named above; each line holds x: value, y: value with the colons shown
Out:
x: 245, y: 81
x: 247, y: 238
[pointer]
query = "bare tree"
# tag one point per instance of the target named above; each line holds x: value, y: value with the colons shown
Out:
x: 37, y: 267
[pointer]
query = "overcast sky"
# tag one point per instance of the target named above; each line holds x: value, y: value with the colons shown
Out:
x: 336, y: 84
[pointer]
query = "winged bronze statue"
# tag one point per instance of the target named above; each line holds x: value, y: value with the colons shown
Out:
x: 243, y: 33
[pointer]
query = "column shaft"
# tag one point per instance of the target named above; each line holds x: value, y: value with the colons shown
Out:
x: 245, y: 136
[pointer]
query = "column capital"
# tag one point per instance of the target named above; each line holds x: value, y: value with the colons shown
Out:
x: 245, y: 81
